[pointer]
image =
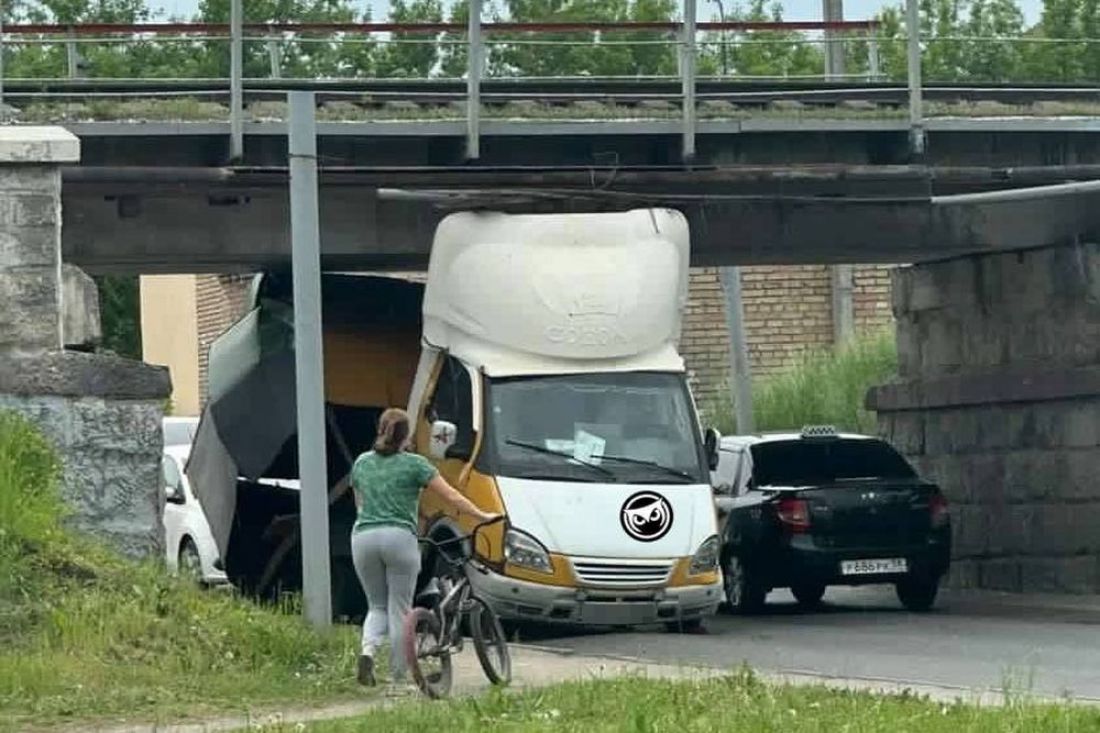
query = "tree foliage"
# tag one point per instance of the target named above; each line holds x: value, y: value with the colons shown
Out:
x: 962, y: 40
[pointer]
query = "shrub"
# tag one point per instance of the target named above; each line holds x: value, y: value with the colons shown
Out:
x: 822, y: 388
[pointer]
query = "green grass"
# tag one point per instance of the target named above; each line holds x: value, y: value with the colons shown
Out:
x: 85, y: 634
x: 822, y: 388
x: 737, y: 703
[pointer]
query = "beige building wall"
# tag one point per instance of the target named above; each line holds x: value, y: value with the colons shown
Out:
x: 169, y: 335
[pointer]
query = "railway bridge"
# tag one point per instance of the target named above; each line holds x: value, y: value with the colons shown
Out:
x: 998, y: 312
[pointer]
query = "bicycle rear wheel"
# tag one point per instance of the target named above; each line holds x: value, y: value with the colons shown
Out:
x: 490, y: 643
x: 426, y: 654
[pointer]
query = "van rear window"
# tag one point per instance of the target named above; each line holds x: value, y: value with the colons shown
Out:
x: 808, y: 462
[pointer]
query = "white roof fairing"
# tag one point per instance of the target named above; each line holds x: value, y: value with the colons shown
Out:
x: 559, y: 293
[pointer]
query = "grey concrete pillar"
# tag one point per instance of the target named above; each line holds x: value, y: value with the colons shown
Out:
x: 998, y: 400
x: 30, y: 237
x: 102, y: 414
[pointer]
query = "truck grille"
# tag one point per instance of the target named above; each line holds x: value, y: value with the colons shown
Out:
x: 621, y: 573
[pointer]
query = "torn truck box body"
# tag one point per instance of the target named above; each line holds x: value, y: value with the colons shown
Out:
x: 248, y: 432
x: 540, y: 369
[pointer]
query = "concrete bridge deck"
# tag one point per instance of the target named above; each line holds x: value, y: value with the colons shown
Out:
x: 229, y: 219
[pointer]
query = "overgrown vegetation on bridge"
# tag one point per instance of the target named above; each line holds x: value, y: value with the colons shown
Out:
x: 821, y: 388
x: 979, y: 40
x: 85, y: 634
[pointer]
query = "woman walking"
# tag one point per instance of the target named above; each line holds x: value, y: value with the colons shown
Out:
x: 387, y: 482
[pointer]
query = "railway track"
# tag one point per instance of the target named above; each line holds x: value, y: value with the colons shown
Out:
x: 619, y: 92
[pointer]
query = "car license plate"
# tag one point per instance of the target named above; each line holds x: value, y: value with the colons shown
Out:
x: 874, y: 567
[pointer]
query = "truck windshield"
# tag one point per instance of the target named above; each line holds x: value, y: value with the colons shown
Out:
x: 635, y: 427
x: 809, y: 462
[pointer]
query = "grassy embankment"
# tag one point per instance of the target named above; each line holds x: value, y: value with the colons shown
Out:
x: 85, y: 634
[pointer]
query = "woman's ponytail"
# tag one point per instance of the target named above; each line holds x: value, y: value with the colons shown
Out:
x: 393, y: 432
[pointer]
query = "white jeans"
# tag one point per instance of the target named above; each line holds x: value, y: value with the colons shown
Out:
x: 387, y: 561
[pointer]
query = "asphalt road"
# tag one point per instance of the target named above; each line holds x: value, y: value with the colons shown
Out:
x: 1039, y: 645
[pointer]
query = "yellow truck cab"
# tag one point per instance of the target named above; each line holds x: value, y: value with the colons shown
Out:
x: 549, y: 389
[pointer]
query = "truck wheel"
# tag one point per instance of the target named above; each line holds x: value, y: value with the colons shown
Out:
x: 918, y: 594
x: 744, y: 592
x: 808, y: 595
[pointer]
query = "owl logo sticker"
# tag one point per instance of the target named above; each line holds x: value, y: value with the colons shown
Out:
x: 646, y: 516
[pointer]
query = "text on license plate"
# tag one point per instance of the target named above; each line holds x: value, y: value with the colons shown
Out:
x: 874, y: 567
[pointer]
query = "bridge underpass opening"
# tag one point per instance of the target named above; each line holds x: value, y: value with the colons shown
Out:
x: 934, y: 420
x: 127, y: 226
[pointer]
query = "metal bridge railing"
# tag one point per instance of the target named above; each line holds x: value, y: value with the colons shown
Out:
x: 471, y: 52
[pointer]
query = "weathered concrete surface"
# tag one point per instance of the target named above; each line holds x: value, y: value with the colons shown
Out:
x: 84, y: 375
x: 38, y: 145
x: 103, y: 415
x: 999, y: 401
x: 80, y: 323
x: 30, y: 236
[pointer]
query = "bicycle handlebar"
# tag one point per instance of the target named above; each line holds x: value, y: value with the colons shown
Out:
x: 473, y: 533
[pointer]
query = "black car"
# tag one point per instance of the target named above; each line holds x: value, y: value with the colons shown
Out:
x: 808, y: 510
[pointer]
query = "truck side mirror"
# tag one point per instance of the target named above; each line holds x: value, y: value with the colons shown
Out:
x: 710, y: 442
x: 443, y: 437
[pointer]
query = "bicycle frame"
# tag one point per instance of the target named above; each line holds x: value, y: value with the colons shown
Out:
x: 455, y: 601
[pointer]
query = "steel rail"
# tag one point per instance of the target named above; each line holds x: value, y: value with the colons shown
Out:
x: 623, y: 92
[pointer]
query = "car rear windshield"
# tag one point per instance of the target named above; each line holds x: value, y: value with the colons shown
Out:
x: 809, y: 462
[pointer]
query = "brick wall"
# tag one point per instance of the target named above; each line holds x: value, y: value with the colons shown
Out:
x: 220, y: 300
x: 871, y: 297
x: 788, y: 311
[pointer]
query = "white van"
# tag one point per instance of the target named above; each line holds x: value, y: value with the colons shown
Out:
x: 550, y: 389
x: 539, y: 362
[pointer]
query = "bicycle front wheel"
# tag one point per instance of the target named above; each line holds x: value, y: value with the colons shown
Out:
x: 426, y: 654
x: 490, y: 643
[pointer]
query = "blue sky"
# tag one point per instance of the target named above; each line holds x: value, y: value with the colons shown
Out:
x: 793, y: 9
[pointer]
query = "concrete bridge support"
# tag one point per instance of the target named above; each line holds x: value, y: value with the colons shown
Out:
x: 102, y: 413
x: 998, y: 399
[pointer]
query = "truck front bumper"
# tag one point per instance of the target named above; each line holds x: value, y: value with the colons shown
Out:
x: 522, y: 600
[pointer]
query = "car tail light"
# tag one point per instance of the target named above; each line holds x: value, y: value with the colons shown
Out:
x: 794, y: 514
x: 937, y: 510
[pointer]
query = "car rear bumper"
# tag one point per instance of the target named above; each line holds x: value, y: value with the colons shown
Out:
x: 523, y: 600
x: 804, y: 562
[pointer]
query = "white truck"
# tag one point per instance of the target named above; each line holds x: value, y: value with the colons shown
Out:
x: 546, y: 386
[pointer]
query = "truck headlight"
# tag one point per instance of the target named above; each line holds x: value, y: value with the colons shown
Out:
x: 525, y: 551
x: 706, y: 557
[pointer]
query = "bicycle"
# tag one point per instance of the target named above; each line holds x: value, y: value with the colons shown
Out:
x: 433, y: 634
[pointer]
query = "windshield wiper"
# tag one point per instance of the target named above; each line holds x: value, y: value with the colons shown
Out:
x: 540, y: 449
x: 652, y: 464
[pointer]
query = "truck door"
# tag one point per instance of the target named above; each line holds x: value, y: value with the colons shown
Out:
x: 456, y: 398
x: 451, y: 399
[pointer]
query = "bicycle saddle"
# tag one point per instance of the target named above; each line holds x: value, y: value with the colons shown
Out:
x: 429, y: 595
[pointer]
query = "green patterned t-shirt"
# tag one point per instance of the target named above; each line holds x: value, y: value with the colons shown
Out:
x: 389, y: 489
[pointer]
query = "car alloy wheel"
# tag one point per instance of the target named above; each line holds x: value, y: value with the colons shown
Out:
x: 744, y: 593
